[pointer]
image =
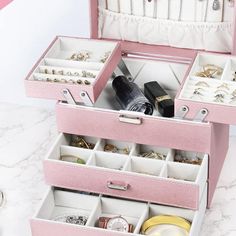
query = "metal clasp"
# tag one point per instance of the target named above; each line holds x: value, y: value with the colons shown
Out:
x: 117, y: 186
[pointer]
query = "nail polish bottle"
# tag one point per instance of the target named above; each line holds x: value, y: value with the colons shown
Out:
x: 130, y: 96
x: 159, y: 98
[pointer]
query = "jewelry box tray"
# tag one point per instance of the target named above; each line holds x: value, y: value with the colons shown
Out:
x: 79, y: 65
x: 58, y: 203
x: 215, y: 94
x: 125, y: 174
x: 105, y: 120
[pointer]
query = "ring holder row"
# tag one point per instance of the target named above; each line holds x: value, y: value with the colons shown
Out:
x: 71, y: 60
x: 129, y: 160
x: 59, y: 203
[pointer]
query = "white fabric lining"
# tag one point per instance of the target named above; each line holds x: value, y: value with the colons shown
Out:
x: 210, y: 36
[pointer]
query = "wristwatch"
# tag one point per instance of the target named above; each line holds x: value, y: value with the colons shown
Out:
x: 116, y: 223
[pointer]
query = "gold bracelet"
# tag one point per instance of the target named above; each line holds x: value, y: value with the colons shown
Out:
x: 74, y: 159
x: 171, y: 220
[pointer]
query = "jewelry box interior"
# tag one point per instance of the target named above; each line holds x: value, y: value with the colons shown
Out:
x: 216, y: 87
x: 74, y: 61
x: 203, y: 25
x: 168, y: 74
x: 130, y: 158
x: 61, y: 207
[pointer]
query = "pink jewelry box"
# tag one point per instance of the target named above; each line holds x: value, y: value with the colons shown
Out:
x: 97, y: 119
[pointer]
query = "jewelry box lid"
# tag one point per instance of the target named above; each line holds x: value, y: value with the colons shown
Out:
x: 207, y: 25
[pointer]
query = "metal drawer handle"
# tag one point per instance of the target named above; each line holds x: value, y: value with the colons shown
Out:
x: 130, y: 120
x: 117, y: 186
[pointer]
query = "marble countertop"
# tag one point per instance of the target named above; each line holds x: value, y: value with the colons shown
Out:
x: 26, y: 133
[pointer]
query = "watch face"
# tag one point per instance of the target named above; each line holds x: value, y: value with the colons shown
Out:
x: 118, y: 224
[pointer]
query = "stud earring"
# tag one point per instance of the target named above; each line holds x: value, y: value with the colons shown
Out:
x: 216, y: 5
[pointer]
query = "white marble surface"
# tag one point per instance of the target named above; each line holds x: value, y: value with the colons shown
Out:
x: 26, y: 133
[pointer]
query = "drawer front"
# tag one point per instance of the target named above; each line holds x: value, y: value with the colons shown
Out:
x: 136, y: 213
x: 128, y: 176
x: 56, y: 71
x: 194, y: 136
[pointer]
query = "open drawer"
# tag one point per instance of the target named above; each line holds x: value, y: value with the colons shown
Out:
x: 76, y: 64
x: 128, y: 170
x: 210, y: 85
x: 60, y: 207
x: 106, y: 119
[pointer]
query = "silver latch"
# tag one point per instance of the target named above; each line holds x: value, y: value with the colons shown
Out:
x: 84, y: 96
x: 69, y: 98
x: 86, y: 99
x: 182, y: 112
x: 201, y: 115
x: 124, y: 69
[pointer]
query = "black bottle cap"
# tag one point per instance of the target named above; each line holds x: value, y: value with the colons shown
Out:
x: 121, y: 83
x: 159, y: 98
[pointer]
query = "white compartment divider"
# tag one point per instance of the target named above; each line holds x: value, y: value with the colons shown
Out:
x: 147, y: 167
x: 47, y: 205
x: 54, y: 151
x: 171, y: 155
x: 199, y: 215
x: 181, y: 172
x: 58, y: 78
x: 163, y: 173
x: 123, y: 148
x: 112, y: 161
x: 228, y: 72
x: 141, y: 149
x: 203, y: 174
x: 65, y: 71
x: 76, y: 45
x: 73, y: 64
x: 95, y: 214
x: 81, y: 153
x: 142, y: 219
x: 132, y: 211
x: 208, y: 59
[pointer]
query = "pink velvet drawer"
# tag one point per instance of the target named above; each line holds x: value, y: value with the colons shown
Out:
x: 127, y: 175
x: 217, y: 95
x: 65, y: 65
x: 58, y: 204
x: 150, y: 130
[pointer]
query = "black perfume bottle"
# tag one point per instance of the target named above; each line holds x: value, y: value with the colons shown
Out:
x: 130, y: 96
x: 159, y: 98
